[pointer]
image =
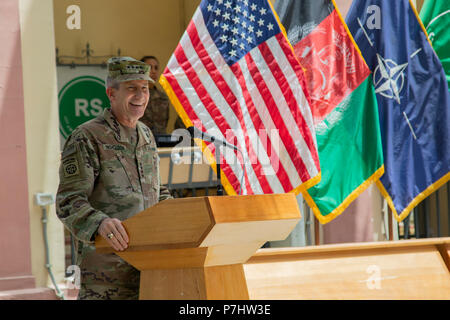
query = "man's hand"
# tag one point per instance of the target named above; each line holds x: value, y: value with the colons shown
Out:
x: 113, y: 231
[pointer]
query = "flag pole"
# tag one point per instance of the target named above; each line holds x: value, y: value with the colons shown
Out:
x: 316, y: 231
x: 391, y: 231
x: 219, y: 183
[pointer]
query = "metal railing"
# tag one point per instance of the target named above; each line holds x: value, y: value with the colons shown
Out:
x: 431, y: 218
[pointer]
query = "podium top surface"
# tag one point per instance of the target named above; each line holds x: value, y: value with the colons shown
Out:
x: 212, y: 220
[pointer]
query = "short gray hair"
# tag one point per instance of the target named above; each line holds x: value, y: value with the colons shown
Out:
x: 112, y: 83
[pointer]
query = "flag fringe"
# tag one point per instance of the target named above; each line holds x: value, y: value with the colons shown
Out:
x: 175, y: 102
x: 307, y: 184
x: 362, y: 187
x: 350, y: 198
x: 419, y: 198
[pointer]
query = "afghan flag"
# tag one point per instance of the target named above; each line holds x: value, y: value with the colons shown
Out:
x: 343, y: 104
x: 435, y: 15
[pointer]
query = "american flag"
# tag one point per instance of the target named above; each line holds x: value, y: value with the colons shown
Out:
x: 234, y: 75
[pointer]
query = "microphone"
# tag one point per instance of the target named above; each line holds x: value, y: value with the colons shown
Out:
x: 196, y: 133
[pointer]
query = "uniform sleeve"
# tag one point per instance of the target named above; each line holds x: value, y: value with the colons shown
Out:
x: 164, y: 193
x: 78, y: 170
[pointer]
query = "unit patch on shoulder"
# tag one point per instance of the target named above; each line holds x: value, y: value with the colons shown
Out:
x: 70, y: 163
x: 71, y: 167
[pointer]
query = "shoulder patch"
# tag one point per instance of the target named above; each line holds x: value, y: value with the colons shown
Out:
x: 70, y: 161
x: 70, y: 150
x: 71, y: 166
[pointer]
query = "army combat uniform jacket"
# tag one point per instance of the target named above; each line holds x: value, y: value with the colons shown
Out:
x: 156, y: 115
x: 103, y: 174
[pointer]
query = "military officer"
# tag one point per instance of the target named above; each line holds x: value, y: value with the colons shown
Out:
x: 109, y: 172
x: 156, y: 114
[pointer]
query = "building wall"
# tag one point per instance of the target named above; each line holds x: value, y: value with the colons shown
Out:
x: 15, y: 262
x: 29, y: 154
x: 41, y: 132
x: 136, y: 27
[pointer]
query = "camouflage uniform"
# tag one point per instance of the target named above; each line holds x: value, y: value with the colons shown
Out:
x: 104, y: 174
x: 179, y: 124
x: 108, y: 171
x: 156, y: 114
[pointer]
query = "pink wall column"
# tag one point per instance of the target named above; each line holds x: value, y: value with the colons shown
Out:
x: 15, y: 252
x: 354, y: 224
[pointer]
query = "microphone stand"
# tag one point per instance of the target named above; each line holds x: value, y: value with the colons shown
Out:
x: 219, y: 182
x: 196, y: 133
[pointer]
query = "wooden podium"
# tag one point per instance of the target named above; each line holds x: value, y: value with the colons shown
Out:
x: 195, y: 248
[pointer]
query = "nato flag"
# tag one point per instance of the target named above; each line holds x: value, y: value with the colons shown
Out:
x: 413, y: 100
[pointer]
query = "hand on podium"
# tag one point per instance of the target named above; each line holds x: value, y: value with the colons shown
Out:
x: 114, y: 233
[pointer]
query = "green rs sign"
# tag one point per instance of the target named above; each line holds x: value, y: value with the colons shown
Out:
x: 81, y: 99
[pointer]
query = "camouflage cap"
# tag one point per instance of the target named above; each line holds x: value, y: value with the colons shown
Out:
x: 126, y: 69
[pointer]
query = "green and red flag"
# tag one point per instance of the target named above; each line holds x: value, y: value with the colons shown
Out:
x: 435, y: 15
x: 343, y: 104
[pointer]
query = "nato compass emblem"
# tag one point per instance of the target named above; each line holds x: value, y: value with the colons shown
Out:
x: 389, y: 78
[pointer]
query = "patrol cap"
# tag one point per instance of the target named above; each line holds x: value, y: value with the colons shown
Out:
x: 127, y: 68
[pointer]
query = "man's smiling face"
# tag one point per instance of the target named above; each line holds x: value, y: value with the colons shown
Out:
x: 129, y: 101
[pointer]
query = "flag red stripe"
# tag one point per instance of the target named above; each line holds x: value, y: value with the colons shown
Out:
x: 209, y: 106
x: 184, y: 101
x: 295, y: 64
x: 290, y: 99
x: 277, y: 118
x: 229, y: 97
x: 281, y: 173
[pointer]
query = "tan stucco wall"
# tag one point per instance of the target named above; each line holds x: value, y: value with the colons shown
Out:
x: 42, y: 134
x: 136, y: 27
